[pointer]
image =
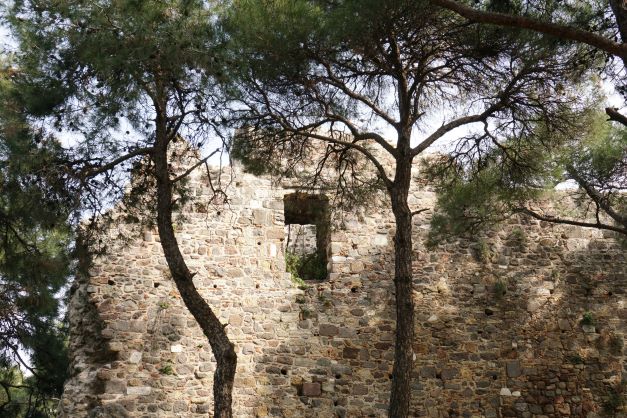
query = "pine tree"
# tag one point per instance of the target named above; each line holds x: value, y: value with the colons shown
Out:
x: 329, y: 75
x: 127, y: 79
x: 34, y: 260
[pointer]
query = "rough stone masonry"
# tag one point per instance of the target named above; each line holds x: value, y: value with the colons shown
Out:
x: 527, y: 321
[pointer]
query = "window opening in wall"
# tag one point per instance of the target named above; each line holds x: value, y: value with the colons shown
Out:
x: 306, y: 235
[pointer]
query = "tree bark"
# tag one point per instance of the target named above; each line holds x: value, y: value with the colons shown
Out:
x: 215, y: 332
x: 403, y: 254
x: 619, y: 8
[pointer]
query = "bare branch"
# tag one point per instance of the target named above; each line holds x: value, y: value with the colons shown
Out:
x: 597, y: 197
x: 555, y: 219
x: 94, y: 171
x: 548, y: 28
x: 419, y: 211
x: 195, y: 166
x: 447, y: 127
x: 352, y: 145
x: 333, y: 80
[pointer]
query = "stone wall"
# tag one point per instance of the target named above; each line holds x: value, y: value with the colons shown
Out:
x: 300, y: 239
x: 500, y: 319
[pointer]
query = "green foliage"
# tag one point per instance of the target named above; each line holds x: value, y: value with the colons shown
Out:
x: 115, y: 64
x: 495, y: 184
x: 305, y: 313
x: 500, y: 289
x: 576, y: 359
x: 305, y: 267
x: 255, y: 160
x: 35, y: 244
x: 518, y: 236
x: 587, y: 318
x: 167, y: 370
x: 483, y: 252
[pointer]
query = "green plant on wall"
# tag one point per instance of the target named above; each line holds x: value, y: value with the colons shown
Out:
x: 483, y: 252
x: 519, y: 237
x: 305, y: 313
x: 305, y: 267
x: 587, y: 318
x: 500, y: 289
x: 576, y: 359
x: 167, y: 370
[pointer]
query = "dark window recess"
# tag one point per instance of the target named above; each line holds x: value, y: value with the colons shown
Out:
x: 306, y: 235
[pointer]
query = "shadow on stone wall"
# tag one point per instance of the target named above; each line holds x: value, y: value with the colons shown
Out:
x: 502, y: 335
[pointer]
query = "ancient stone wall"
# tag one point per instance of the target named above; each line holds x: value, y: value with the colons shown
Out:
x: 528, y: 321
x: 300, y: 239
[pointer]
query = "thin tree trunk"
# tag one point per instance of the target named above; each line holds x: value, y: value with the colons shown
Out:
x: 222, y: 348
x: 403, y: 354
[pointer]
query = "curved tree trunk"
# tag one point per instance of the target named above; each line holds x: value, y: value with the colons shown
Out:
x: 403, y: 354
x: 222, y: 348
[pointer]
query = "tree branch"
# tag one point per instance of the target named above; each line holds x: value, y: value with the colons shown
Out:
x: 195, y: 166
x: 94, y: 171
x: 357, y: 147
x: 596, y: 196
x: 615, y: 116
x: 554, y: 219
x: 548, y: 28
x: 419, y: 211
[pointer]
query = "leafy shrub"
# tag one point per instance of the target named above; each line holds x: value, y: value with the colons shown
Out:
x: 167, y: 370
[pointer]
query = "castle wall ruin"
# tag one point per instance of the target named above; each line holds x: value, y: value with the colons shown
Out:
x: 528, y: 321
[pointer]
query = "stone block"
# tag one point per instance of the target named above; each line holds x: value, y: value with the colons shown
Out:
x: 180, y: 406
x: 260, y: 216
x: 350, y: 353
x: 328, y: 330
x: 588, y: 329
x: 311, y: 389
x: 449, y: 373
x: 235, y: 320
x: 380, y: 240
x: 513, y: 368
x: 115, y: 386
x: 564, y: 324
x: 359, y: 390
x: 135, y: 357
x: 138, y: 390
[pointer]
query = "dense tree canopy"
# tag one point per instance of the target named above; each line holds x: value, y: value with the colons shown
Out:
x: 34, y: 259
x: 595, y: 159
